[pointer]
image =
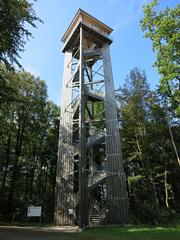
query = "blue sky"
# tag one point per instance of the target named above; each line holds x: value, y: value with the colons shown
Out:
x: 43, y: 56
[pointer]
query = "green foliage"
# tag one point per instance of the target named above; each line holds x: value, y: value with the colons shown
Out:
x: 14, y: 15
x: 148, y: 151
x: 29, y: 139
x: 162, y: 28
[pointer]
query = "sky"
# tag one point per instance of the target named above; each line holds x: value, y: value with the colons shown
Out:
x: 43, y: 57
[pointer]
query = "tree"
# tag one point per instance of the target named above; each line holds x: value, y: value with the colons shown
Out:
x: 14, y: 15
x: 149, y: 157
x: 28, y: 144
x: 162, y: 28
x: 135, y: 138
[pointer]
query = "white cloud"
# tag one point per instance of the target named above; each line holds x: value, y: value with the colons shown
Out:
x: 32, y: 70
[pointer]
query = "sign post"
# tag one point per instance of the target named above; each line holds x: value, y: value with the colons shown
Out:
x: 34, y: 211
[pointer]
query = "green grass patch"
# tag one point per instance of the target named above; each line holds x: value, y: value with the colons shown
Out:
x: 133, y: 233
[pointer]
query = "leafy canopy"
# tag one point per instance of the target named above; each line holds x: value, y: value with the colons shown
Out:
x: 15, y: 15
x: 162, y: 28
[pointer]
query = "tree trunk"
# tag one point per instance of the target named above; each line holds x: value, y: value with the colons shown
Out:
x: 1, y: 156
x: 148, y: 171
x: 166, y: 189
x: 19, y: 140
x: 6, y: 165
x: 173, y: 143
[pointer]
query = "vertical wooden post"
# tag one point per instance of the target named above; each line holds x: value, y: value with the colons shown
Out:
x: 83, y: 207
x: 65, y: 164
x: 116, y: 181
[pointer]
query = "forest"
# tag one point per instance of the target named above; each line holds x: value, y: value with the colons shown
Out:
x: 148, y: 119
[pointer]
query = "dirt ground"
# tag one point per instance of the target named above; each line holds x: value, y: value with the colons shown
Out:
x: 37, y: 233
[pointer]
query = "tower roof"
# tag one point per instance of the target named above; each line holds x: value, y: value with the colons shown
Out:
x: 81, y: 16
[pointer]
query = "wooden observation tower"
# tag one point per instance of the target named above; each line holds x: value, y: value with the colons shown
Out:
x: 91, y: 183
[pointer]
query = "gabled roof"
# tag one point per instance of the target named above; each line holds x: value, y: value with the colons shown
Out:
x: 82, y: 13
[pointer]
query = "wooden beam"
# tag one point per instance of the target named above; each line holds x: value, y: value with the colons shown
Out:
x: 83, y: 203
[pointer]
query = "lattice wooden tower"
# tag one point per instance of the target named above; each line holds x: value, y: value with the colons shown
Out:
x: 91, y: 183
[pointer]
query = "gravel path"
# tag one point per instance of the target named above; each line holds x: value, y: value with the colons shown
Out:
x: 37, y: 233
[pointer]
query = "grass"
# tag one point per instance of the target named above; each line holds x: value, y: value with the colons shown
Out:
x: 133, y: 233
x: 108, y: 233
